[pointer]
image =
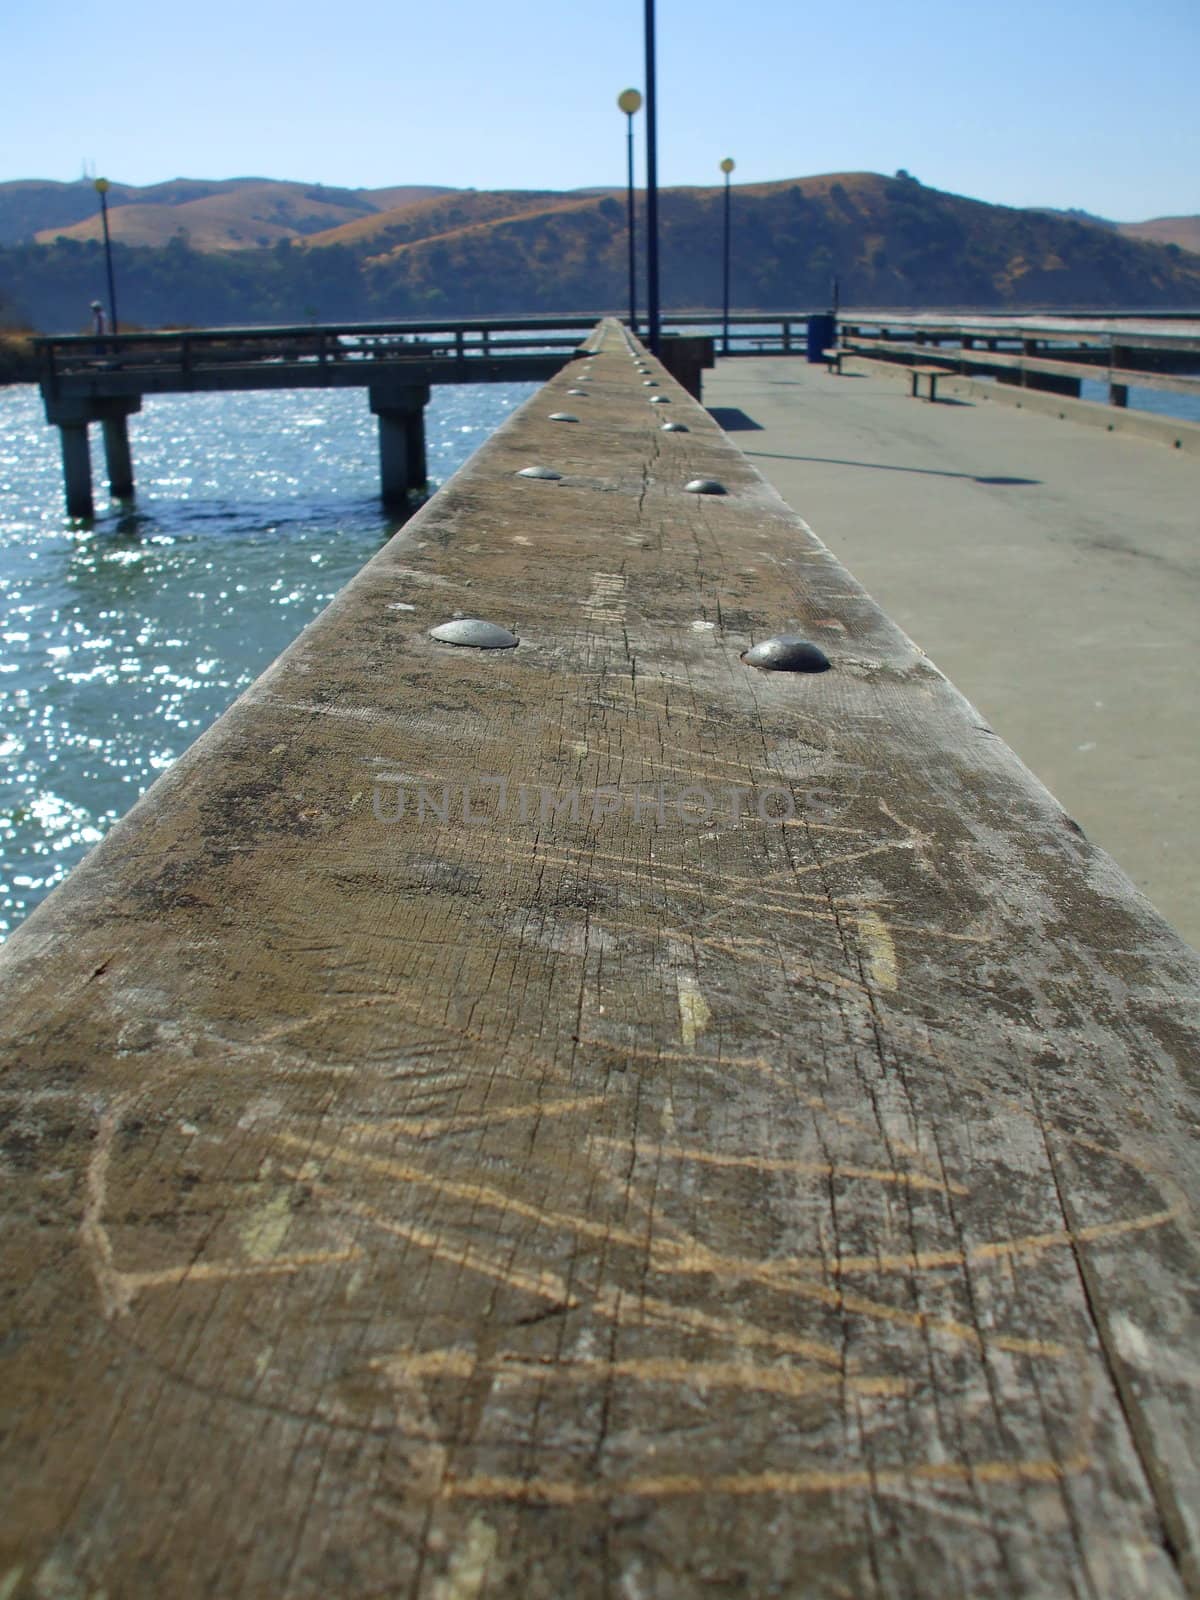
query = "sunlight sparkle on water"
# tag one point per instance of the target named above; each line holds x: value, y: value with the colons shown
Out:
x: 121, y: 642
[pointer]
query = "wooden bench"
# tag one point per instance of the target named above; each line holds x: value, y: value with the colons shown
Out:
x: 932, y: 374
x: 833, y: 359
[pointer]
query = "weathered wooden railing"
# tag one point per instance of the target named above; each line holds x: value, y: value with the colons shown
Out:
x: 596, y: 1117
x: 1054, y: 354
x: 188, y: 351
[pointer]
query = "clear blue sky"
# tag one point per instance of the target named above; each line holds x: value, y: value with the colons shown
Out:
x: 1066, y: 104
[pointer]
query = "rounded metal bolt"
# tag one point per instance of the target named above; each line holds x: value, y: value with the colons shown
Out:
x: 577, y: 391
x: 538, y: 472
x: 649, y: 383
x: 787, y: 653
x: 563, y: 416
x: 660, y: 400
x: 705, y: 486
x: 675, y: 427
x: 471, y: 631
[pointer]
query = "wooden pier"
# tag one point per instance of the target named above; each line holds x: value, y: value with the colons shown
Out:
x: 595, y: 1118
x: 1054, y: 354
x: 87, y: 380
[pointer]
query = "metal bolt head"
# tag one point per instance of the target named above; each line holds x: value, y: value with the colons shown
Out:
x: 787, y: 653
x: 475, y: 633
x: 546, y: 473
x: 674, y: 427
x: 649, y: 383
x: 660, y: 400
x: 577, y: 391
x: 705, y: 486
x: 563, y: 416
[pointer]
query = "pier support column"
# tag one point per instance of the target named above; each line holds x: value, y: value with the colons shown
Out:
x: 117, y: 457
x: 401, y: 413
x: 77, y: 469
x: 72, y: 416
x: 414, y: 428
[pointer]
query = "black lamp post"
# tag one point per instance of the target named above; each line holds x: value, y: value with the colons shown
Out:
x: 726, y: 168
x: 630, y: 102
x: 653, y: 317
x: 101, y: 187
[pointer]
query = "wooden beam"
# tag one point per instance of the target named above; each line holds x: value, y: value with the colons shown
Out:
x: 1093, y: 372
x: 595, y: 1118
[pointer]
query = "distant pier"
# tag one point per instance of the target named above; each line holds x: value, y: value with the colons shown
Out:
x: 90, y: 380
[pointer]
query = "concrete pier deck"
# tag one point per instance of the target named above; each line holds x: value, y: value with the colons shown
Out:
x: 594, y: 1119
x: 1052, y: 571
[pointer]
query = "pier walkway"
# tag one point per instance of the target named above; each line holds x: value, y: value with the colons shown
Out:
x: 595, y: 1118
x: 1051, y: 570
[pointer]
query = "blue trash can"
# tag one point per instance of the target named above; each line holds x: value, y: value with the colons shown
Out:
x: 822, y: 335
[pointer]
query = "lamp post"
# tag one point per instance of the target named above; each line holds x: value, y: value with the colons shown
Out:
x: 652, y: 307
x: 101, y: 187
x: 726, y: 168
x: 630, y: 102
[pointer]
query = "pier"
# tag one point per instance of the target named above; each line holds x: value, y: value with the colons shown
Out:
x: 1055, y: 355
x: 595, y: 1117
x: 88, y: 380
x: 1050, y: 567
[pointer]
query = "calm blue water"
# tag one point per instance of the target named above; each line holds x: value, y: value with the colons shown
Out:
x: 1161, y: 401
x: 120, y: 643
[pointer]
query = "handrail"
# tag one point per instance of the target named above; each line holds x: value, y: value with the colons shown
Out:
x: 1106, y: 369
x: 472, y: 339
x: 491, y: 1120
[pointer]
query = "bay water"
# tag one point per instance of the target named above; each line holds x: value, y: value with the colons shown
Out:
x: 121, y: 641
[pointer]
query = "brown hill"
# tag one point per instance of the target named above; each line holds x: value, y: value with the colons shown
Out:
x: 404, y: 194
x: 439, y: 214
x: 243, y: 218
x: 227, y: 214
x: 1183, y: 231
x: 30, y: 205
x: 889, y: 241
